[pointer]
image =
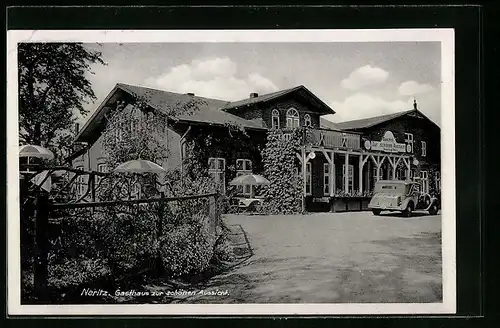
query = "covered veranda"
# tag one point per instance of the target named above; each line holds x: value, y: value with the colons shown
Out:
x: 364, y: 168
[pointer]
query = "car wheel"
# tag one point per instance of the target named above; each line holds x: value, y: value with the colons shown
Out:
x: 408, y: 211
x: 433, y: 210
x: 376, y: 212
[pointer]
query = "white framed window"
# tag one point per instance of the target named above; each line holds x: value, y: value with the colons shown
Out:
x: 350, y: 177
x: 292, y: 118
x: 81, y: 185
x: 438, y: 181
x: 103, y: 168
x: 244, y: 167
x: 409, y: 141
x: 136, y: 191
x: 307, y: 120
x: 424, y: 179
x: 275, y: 119
x: 217, y: 170
x: 424, y: 148
x: 308, y: 178
x: 326, y: 178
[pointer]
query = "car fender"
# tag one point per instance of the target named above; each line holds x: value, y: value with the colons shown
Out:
x: 405, y: 202
x: 434, y: 200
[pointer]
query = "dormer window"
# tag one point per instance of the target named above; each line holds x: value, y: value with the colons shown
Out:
x: 292, y: 118
x: 307, y: 120
x: 275, y: 119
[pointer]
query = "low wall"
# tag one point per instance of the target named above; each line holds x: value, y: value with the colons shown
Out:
x: 337, y: 204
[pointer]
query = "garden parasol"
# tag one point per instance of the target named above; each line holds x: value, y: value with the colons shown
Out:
x: 139, y: 166
x: 35, y: 151
x: 249, y: 179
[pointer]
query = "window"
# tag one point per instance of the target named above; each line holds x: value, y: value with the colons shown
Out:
x: 438, y: 181
x: 81, y: 186
x: 136, y: 119
x: 217, y: 170
x: 349, y: 178
x: 308, y: 178
x: 409, y: 141
x: 292, y: 119
x: 413, y: 176
x: 136, y: 191
x: 275, y: 119
x: 424, y: 177
x: 103, y: 168
x: 424, y: 148
x: 326, y: 178
x: 244, y: 167
x: 307, y: 120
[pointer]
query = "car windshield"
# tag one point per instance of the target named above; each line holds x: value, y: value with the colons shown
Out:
x: 390, y: 187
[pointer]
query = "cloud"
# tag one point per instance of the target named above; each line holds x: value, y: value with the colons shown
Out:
x: 364, y: 76
x: 410, y: 88
x: 362, y: 105
x: 213, y: 78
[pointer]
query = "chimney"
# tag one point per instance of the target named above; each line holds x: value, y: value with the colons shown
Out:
x: 77, y: 128
x: 415, y: 104
x: 190, y: 94
x: 254, y: 95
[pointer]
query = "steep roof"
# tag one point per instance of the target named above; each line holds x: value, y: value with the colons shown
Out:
x: 371, y: 121
x: 209, y: 111
x: 324, y: 108
x: 327, y: 124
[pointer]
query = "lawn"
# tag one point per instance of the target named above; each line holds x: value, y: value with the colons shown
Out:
x: 334, y: 258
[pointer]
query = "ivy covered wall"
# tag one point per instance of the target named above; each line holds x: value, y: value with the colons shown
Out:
x: 284, y: 193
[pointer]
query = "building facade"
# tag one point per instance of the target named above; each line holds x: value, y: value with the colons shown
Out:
x: 337, y: 161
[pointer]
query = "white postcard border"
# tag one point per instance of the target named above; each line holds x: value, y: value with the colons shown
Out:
x: 445, y: 36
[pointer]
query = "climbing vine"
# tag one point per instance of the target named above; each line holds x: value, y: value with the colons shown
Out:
x: 284, y: 193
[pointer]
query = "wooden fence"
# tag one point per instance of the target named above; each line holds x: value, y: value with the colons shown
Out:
x: 45, y: 209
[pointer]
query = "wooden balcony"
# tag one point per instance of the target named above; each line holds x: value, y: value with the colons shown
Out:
x: 331, y: 139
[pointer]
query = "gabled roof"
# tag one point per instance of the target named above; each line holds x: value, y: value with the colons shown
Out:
x: 372, y: 121
x: 327, y: 124
x: 209, y: 110
x: 324, y: 108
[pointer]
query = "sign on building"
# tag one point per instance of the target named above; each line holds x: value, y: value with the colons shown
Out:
x: 387, y: 144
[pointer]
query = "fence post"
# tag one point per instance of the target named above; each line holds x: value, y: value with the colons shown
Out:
x: 159, y: 231
x: 212, y: 209
x: 41, y: 246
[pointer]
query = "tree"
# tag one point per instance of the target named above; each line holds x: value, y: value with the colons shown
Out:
x: 53, y: 87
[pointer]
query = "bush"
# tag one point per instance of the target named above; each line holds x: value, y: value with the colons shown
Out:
x: 74, y: 272
x: 223, y: 250
x: 186, y: 249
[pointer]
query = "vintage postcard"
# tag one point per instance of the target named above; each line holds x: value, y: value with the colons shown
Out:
x: 231, y: 172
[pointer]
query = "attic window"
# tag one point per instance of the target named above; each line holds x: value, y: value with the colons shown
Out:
x: 307, y: 120
x: 292, y: 118
x: 275, y: 119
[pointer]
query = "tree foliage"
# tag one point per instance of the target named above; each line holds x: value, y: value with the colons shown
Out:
x: 284, y: 193
x: 53, y: 87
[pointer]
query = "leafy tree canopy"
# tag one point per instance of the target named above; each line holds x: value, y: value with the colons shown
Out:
x: 53, y: 87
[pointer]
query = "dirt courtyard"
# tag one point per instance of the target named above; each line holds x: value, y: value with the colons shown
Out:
x: 334, y: 258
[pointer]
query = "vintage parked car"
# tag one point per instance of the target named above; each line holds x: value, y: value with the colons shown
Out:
x: 403, y: 196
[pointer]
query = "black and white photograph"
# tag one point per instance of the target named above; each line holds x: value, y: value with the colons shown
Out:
x: 231, y: 172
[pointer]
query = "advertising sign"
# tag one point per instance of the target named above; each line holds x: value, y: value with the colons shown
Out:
x: 387, y: 144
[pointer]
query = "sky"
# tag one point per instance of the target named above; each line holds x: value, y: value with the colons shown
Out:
x: 357, y: 79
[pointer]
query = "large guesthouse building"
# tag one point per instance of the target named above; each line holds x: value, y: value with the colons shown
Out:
x: 337, y: 160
